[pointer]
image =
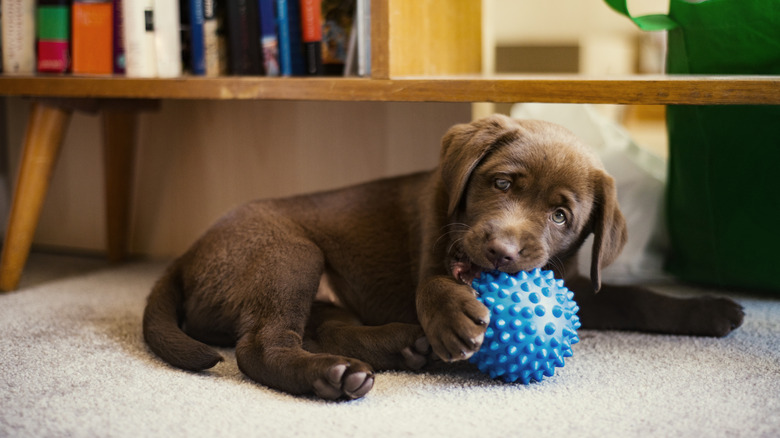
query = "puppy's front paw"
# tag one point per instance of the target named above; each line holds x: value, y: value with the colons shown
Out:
x: 454, y: 322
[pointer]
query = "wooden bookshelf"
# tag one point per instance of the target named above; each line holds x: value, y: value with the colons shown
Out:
x: 647, y: 90
x: 422, y: 51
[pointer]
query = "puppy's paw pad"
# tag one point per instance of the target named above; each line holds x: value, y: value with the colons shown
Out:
x: 412, y: 359
x: 358, y: 384
x: 341, y: 381
x: 416, y: 355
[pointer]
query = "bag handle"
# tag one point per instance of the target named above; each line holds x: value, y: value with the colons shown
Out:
x: 645, y: 22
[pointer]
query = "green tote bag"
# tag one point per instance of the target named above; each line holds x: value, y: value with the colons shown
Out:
x: 723, y: 194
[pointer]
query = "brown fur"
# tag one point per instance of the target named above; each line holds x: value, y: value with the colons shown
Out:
x: 318, y: 291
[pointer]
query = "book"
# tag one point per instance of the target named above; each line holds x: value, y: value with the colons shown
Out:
x: 288, y: 22
x: 363, y: 29
x: 311, y: 35
x: 214, y: 45
x: 197, y: 40
x: 184, y: 34
x: 140, y: 46
x: 18, y: 34
x: 269, y: 41
x: 338, y: 18
x: 53, y: 31
x: 166, y: 37
x: 244, y: 56
x: 93, y: 28
x: 119, y: 38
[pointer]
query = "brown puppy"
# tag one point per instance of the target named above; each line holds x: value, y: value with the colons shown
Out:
x: 318, y: 291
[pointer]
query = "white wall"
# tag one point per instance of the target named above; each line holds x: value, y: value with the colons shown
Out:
x: 197, y: 159
x: 561, y: 21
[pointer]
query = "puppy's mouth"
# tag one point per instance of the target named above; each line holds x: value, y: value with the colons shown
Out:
x: 465, y: 272
x: 465, y: 268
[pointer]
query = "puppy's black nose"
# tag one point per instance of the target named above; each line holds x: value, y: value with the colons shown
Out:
x: 502, y: 253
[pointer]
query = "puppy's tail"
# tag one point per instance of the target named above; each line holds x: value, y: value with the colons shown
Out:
x: 162, y: 332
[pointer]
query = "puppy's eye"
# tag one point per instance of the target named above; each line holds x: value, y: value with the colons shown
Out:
x: 559, y: 217
x: 502, y: 184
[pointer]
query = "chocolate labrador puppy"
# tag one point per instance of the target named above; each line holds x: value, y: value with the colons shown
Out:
x: 317, y: 291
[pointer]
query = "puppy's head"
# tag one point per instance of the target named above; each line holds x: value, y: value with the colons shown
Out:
x: 524, y: 195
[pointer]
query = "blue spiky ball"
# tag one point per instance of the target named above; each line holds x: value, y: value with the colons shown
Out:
x: 533, y: 324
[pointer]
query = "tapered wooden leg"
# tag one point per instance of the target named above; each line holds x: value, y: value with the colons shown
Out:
x: 45, y: 131
x: 118, y: 142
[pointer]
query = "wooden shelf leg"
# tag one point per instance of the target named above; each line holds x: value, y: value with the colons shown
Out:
x: 119, y: 127
x: 45, y: 131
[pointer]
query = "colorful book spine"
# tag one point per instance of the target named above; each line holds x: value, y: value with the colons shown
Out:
x: 140, y: 50
x: 311, y: 35
x: 18, y: 34
x: 119, y: 38
x: 337, y: 24
x: 53, y: 29
x: 197, y: 40
x: 166, y: 38
x: 93, y: 27
x: 269, y: 41
x: 291, y: 62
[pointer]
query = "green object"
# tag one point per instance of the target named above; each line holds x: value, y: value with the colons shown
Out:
x: 53, y: 22
x: 723, y: 195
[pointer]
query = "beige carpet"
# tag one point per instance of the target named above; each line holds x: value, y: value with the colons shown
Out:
x: 73, y: 364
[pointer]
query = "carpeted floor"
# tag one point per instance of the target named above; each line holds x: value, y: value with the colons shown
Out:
x: 73, y: 364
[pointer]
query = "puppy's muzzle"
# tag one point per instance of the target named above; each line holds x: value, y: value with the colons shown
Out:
x: 502, y: 253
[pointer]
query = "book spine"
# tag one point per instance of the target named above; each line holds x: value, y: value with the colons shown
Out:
x: 311, y: 35
x: 93, y: 27
x: 269, y: 41
x: 184, y: 34
x: 363, y: 28
x: 338, y: 20
x: 119, y: 38
x: 283, y: 32
x: 53, y: 30
x: 214, y: 45
x: 140, y: 51
x: 243, y: 38
x: 18, y: 36
x: 291, y: 61
x: 166, y: 37
x: 197, y: 40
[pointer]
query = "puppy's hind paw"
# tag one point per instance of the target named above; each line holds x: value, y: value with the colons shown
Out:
x: 416, y: 356
x: 350, y: 381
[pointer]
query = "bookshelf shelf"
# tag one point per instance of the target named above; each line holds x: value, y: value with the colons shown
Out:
x: 647, y: 90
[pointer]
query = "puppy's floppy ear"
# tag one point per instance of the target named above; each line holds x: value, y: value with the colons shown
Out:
x: 608, y: 226
x: 465, y: 145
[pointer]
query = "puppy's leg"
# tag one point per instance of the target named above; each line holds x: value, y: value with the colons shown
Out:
x: 270, y: 342
x: 391, y: 346
x: 637, y: 308
x: 274, y: 356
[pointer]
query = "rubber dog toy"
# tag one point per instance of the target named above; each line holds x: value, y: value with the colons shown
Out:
x: 533, y: 325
